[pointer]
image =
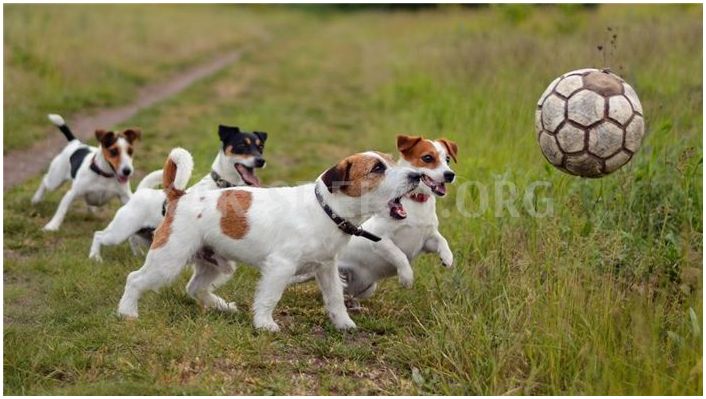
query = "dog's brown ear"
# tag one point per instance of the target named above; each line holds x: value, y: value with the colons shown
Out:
x: 105, y: 138
x: 336, y: 177
x: 405, y: 143
x: 132, y: 134
x: 451, y: 148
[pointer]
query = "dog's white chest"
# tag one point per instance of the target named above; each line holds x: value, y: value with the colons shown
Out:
x: 98, y: 198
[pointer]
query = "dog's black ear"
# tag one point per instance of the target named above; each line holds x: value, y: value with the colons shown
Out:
x: 105, y: 138
x: 132, y: 134
x: 336, y: 177
x: 261, y: 135
x: 225, y: 131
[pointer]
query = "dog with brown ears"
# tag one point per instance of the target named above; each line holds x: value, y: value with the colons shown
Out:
x: 283, y: 231
x: 408, y: 231
x: 97, y: 174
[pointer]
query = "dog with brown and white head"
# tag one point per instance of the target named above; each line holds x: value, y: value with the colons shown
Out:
x: 97, y: 174
x: 283, y: 231
x: 409, y: 229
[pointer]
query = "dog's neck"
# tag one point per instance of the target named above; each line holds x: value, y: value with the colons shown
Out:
x: 344, y: 206
x: 226, y: 170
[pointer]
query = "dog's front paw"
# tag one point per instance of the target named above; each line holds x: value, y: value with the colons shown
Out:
x: 344, y: 323
x: 447, y: 258
x: 94, y: 256
x: 51, y: 227
x: 266, y: 325
x: 127, y: 315
x: 406, y: 279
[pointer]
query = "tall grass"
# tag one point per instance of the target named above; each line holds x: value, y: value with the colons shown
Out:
x: 70, y: 58
x: 601, y: 296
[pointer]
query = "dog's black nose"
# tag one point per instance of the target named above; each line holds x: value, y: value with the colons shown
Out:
x: 259, y: 162
x: 449, y: 176
x: 127, y: 171
x: 414, y: 177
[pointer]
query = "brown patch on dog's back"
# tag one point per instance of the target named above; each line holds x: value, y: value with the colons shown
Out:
x: 234, y: 205
x: 414, y: 148
x: 164, y: 230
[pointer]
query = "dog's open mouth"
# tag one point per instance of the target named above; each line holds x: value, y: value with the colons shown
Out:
x: 437, y: 188
x: 248, y: 175
x: 122, y: 179
x: 397, y: 211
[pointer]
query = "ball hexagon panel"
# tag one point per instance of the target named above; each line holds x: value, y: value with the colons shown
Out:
x: 632, y: 96
x: 552, y: 112
x: 571, y: 138
x: 616, y: 161
x: 602, y: 83
x: 619, y: 109
x: 605, y: 139
x: 550, y: 149
x: 583, y: 165
x: 634, y: 132
x: 569, y: 85
x: 586, y: 107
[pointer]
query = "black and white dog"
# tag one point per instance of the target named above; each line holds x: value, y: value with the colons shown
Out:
x: 97, y: 173
x: 240, y: 153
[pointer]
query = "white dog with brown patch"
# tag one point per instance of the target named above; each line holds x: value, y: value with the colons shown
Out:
x: 406, y: 232
x: 98, y: 174
x: 283, y: 231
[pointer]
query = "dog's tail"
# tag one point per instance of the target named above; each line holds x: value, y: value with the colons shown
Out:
x: 176, y: 173
x: 58, y: 121
x: 151, y: 180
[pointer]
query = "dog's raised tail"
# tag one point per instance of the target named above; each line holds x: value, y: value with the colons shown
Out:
x: 58, y: 121
x: 176, y: 173
x: 152, y: 180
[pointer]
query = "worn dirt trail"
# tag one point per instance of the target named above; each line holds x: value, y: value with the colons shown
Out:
x: 20, y: 165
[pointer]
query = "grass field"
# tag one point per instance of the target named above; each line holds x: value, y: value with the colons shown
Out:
x: 601, y: 296
x: 73, y: 57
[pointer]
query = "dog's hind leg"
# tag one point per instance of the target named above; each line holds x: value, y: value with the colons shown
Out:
x: 161, y: 267
x: 332, y: 291
x: 66, y: 201
x: 127, y: 221
x: 57, y: 174
x: 206, y: 278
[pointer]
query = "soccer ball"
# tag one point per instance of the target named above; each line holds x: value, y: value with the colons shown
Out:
x: 589, y: 122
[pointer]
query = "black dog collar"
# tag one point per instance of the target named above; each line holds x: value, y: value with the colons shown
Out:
x: 343, y: 224
x: 98, y: 170
x: 220, y: 182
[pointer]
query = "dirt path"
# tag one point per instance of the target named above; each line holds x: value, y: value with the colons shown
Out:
x: 20, y: 165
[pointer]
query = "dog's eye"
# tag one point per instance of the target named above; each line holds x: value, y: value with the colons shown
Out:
x: 129, y: 151
x: 378, y: 168
x: 448, y: 159
x: 114, y: 152
x: 428, y: 158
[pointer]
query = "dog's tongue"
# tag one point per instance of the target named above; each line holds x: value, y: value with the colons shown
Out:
x: 247, y: 175
x: 397, y: 211
x: 122, y: 179
x: 440, y: 188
